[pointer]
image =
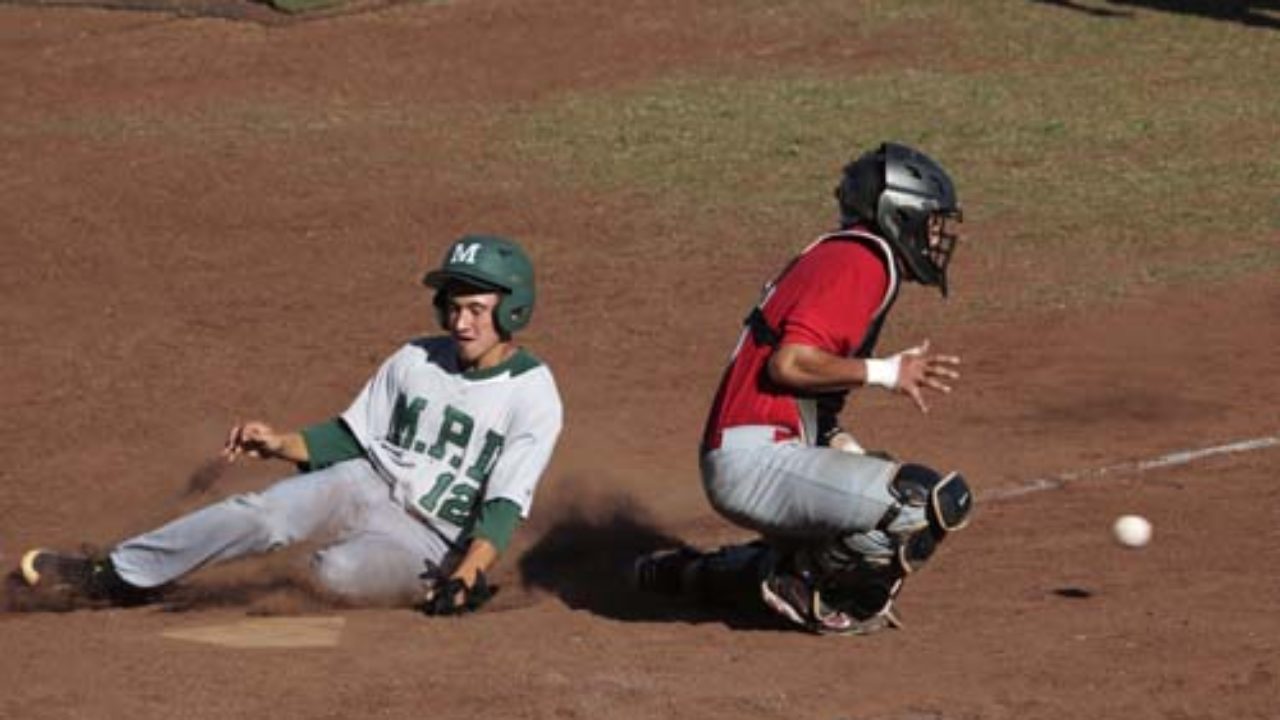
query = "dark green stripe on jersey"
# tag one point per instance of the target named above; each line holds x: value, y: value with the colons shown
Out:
x: 520, y: 362
x: 329, y: 443
x: 498, y: 521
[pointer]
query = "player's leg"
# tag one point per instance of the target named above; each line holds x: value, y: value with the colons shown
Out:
x: 726, y: 576
x: 48, y: 579
x: 794, y: 491
x: 862, y: 523
x: 789, y: 493
x: 391, y: 559
x: 329, y: 501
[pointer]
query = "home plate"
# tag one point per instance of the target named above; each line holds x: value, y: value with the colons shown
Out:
x: 274, y: 632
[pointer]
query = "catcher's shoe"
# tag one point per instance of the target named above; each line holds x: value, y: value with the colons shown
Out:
x: 794, y: 597
x: 81, y: 578
x: 668, y: 572
x: 789, y: 595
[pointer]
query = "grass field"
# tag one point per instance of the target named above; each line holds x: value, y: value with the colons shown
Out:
x: 1146, y: 143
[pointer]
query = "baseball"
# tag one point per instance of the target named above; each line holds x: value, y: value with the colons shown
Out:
x: 1132, y: 530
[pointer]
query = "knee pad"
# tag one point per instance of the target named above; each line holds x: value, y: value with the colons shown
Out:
x: 862, y: 572
x: 928, y: 506
x: 945, y: 500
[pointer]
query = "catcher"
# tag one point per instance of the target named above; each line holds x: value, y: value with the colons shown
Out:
x: 417, y: 487
x: 842, y: 529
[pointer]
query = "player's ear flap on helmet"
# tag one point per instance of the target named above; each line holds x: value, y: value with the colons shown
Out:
x: 861, y: 184
x: 517, y: 315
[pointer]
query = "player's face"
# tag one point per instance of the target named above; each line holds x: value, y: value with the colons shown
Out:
x: 469, y: 316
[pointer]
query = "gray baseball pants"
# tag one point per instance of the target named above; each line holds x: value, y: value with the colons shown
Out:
x: 375, y: 551
x: 794, y: 491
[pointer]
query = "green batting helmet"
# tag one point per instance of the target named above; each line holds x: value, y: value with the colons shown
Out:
x: 495, y: 263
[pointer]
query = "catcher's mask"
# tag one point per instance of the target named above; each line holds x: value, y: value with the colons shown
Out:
x: 487, y: 262
x: 910, y: 200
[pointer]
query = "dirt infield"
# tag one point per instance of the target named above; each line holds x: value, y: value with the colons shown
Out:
x: 208, y: 220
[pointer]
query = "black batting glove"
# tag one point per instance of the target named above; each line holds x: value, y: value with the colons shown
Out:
x: 453, y: 597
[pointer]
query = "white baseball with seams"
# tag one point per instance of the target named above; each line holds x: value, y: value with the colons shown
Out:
x: 1132, y: 530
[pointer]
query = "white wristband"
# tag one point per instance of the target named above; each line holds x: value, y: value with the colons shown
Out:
x: 883, y: 373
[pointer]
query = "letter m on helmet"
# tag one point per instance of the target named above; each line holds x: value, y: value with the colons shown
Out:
x: 464, y: 253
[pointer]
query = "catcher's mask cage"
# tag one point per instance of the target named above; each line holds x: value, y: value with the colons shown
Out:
x: 910, y: 200
x: 487, y: 262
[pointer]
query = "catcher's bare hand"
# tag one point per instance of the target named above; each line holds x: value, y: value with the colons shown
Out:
x: 919, y: 369
x: 255, y: 439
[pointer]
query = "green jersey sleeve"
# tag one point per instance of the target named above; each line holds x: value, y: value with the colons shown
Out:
x: 498, y: 521
x: 330, y: 442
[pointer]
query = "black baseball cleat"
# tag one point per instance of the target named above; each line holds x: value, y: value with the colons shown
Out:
x: 668, y: 572
x: 81, y: 579
x: 793, y: 596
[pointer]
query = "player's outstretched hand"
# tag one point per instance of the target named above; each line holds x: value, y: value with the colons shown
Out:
x: 255, y: 439
x: 919, y: 369
x: 453, y: 597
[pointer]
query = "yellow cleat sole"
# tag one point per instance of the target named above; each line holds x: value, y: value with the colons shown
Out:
x: 28, y: 565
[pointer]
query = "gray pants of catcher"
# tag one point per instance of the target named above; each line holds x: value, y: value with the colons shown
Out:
x: 789, y: 490
x: 376, y: 551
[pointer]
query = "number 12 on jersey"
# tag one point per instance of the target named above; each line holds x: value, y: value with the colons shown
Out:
x: 456, y: 508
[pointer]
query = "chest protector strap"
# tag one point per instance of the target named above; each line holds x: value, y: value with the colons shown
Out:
x: 765, y: 334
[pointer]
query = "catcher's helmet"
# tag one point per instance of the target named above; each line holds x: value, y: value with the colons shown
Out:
x: 494, y: 263
x: 896, y: 190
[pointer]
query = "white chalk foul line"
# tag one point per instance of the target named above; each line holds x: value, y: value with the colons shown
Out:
x: 1179, y: 457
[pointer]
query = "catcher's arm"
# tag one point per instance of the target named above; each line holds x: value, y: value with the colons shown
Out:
x: 810, y: 369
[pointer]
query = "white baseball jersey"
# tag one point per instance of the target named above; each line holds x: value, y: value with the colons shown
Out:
x: 448, y: 440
